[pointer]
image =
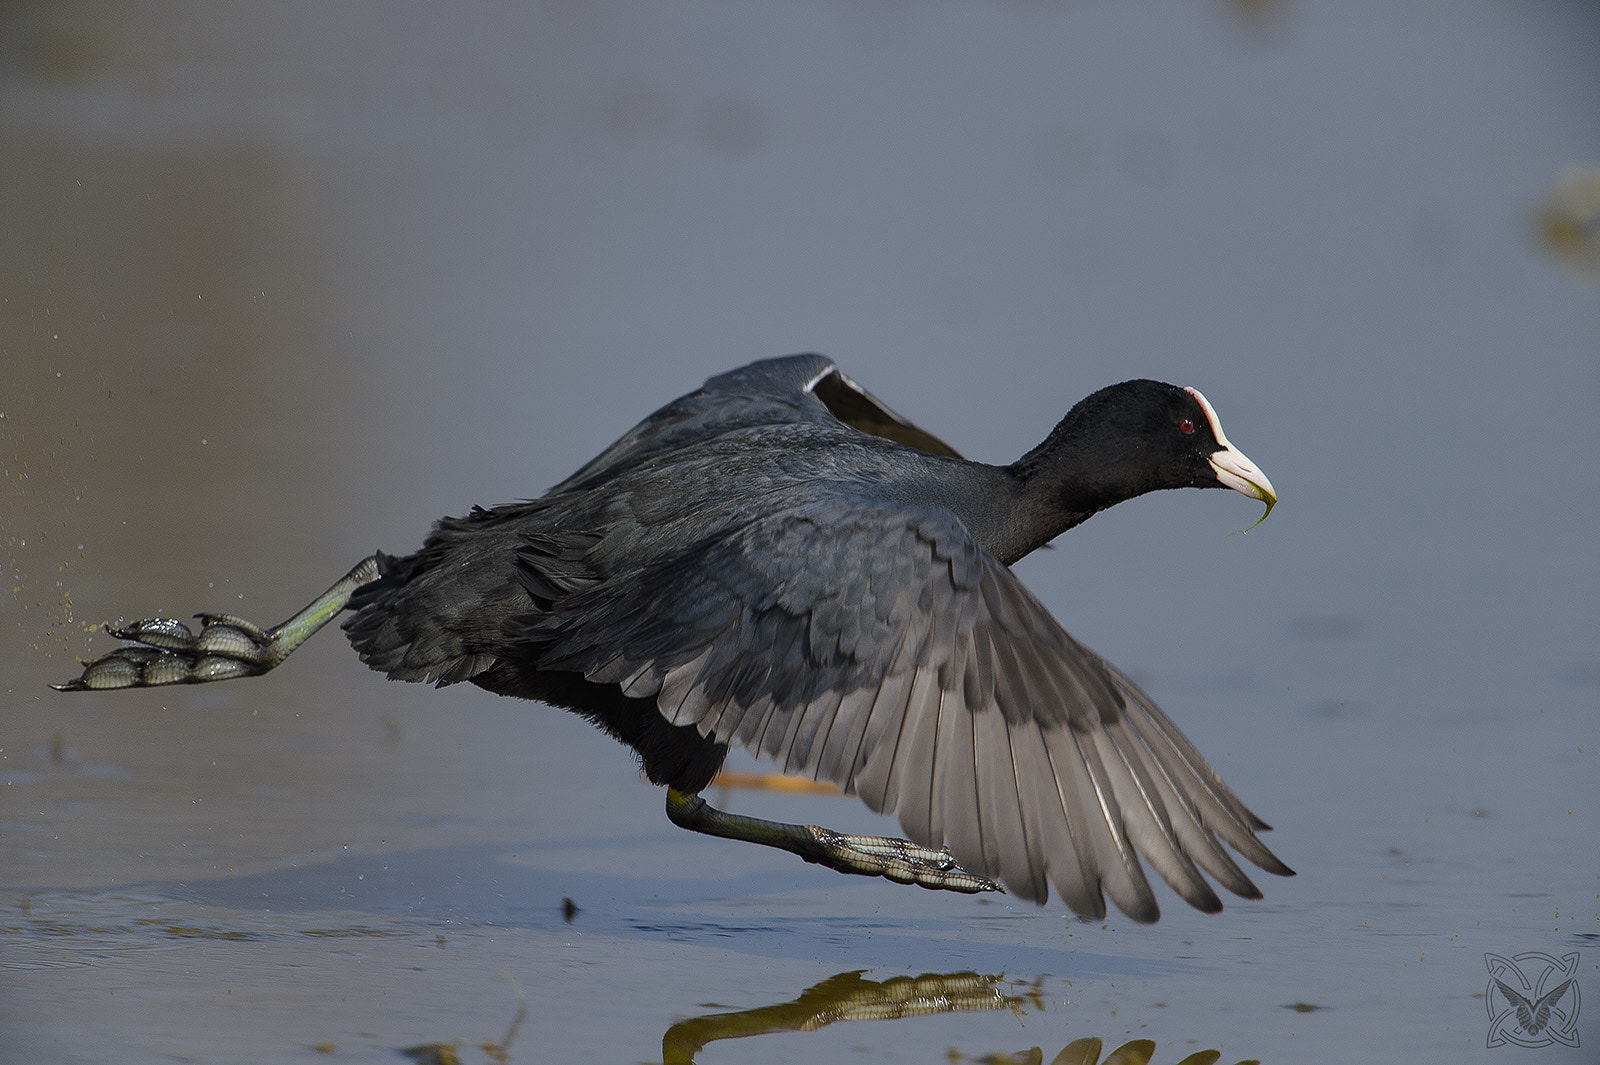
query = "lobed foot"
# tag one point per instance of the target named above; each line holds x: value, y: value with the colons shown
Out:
x: 166, y: 651
x: 899, y: 860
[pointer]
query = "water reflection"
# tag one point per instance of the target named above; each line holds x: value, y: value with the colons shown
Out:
x: 1087, y: 1052
x: 848, y: 997
x: 851, y: 997
x: 236, y: 252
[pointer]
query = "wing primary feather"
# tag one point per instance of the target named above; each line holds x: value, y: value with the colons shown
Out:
x: 1082, y: 888
x: 1179, y: 744
x: 935, y: 685
x: 836, y: 758
x: 1147, y: 826
x: 1120, y: 873
x: 875, y: 780
x: 1204, y: 788
x: 825, y: 759
x: 682, y: 698
x: 957, y: 786
x: 641, y: 682
x: 1052, y: 854
x: 1013, y: 849
x: 753, y: 721
x: 917, y: 762
x: 813, y: 718
x: 1197, y: 842
x: 611, y: 671
x: 978, y: 679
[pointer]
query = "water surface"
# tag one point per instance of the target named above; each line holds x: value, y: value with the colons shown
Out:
x: 279, y: 289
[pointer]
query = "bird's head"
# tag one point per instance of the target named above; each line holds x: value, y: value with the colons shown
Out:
x: 1142, y: 436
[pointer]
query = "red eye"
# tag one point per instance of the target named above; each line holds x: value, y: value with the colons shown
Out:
x: 1186, y: 427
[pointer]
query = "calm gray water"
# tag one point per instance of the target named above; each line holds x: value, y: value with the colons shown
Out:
x: 281, y: 287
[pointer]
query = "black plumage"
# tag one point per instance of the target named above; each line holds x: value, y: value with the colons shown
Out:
x: 779, y: 562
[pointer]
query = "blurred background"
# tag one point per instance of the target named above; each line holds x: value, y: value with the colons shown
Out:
x: 281, y: 284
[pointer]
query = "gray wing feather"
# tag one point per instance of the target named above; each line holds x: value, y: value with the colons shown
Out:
x: 842, y: 738
x: 1064, y: 859
x: 1120, y: 873
x: 1193, y: 842
x: 887, y: 708
x: 954, y: 792
x: 893, y: 777
x: 878, y: 647
x: 1010, y: 844
x: 1076, y: 873
x: 1219, y: 811
x: 1147, y: 825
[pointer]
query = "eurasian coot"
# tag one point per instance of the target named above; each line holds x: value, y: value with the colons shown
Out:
x: 779, y: 561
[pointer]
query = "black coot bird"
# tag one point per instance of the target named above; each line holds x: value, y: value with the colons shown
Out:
x: 779, y: 561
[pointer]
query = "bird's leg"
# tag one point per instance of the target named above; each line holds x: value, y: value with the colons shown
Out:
x: 899, y: 860
x: 165, y: 651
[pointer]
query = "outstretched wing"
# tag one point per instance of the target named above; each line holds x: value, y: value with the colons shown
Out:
x: 880, y: 648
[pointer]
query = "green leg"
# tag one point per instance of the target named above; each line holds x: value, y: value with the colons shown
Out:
x: 899, y: 860
x: 165, y: 651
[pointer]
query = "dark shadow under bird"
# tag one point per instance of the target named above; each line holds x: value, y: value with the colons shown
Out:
x: 778, y: 561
